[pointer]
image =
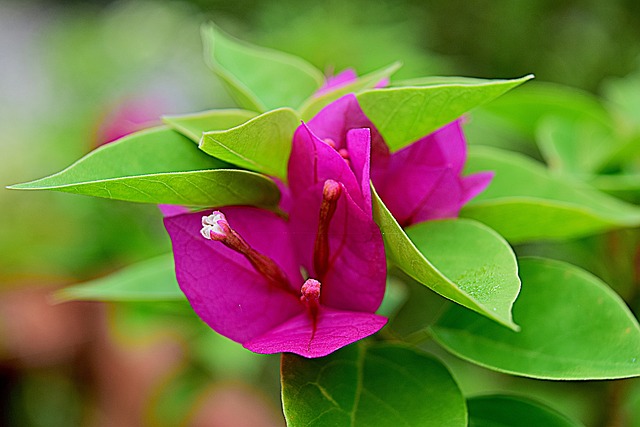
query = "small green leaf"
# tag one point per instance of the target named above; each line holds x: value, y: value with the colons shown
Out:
x: 262, y: 144
x: 150, y: 280
x: 316, y: 103
x: 514, y: 411
x: 194, y: 125
x: 403, y: 115
x: 573, y: 327
x: 259, y: 79
x: 382, y: 385
x: 472, y: 265
x: 525, y: 202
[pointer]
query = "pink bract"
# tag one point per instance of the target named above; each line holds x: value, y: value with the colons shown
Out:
x: 420, y: 182
x: 330, y: 234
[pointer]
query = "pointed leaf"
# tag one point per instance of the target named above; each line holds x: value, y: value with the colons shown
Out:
x: 159, y: 166
x: 403, y: 115
x: 486, y: 285
x: 262, y: 144
x: 194, y: 125
x: 514, y: 411
x: 573, y: 327
x: 260, y: 79
x: 150, y: 280
x: 217, y: 187
x: 525, y: 202
x: 317, y: 102
x: 382, y: 385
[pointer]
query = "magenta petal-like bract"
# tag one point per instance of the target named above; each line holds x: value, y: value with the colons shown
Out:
x: 428, y: 172
x: 334, y: 330
x: 312, y: 161
x: 220, y: 284
x: 341, y: 79
x: 357, y: 272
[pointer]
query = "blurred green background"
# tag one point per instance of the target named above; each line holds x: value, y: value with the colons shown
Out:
x: 75, y: 73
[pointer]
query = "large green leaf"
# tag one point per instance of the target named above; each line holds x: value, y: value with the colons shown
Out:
x: 403, y: 115
x: 262, y: 144
x: 573, y: 327
x: 514, y: 411
x: 150, y: 280
x: 194, y: 125
x: 156, y: 167
x: 525, y: 202
x: 316, y: 103
x: 463, y: 261
x: 382, y: 385
x: 259, y: 79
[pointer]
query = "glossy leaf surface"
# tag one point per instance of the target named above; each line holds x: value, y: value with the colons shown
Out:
x: 382, y: 385
x: 573, y: 327
x: 488, y: 282
x: 262, y: 144
x: 403, y: 115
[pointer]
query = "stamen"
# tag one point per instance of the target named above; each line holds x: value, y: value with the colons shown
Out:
x: 330, y: 194
x: 343, y: 153
x: 330, y: 142
x: 215, y: 227
x: 310, y: 296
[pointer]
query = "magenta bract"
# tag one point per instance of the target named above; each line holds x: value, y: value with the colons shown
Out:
x: 421, y: 182
x: 245, y: 281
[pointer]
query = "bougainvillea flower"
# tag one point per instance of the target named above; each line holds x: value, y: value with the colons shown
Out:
x: 243, y: 277
x: 421, y: 182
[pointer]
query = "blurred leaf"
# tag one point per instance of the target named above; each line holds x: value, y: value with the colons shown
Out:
x: 262, y: 144
x: 514, y: 411
x: 573, y: 327
x: 104, y: 173
x: 403, y: 115
x: 576, y: 147
x: 382, y: 385
x: 526, y: 107
x: 624, y: 96
x: 194, y: 125
x: 438, y: 81
x: 150, y: 280
x: 225, y: 359
x: 525, y: 202
x: 479, y: 269
x: 259, y: 79
x: 316, y: 103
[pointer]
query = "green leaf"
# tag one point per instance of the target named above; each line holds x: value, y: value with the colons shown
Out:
x: 573, y: 327
x: 262, y: 144
x: 155, y: 167
x: 150, y: 280
x: 382, y: 385
x: 576, y: 147
x: 403, y: 115
x: 194, y: 125
x: 316, y: 103
x: 514, y: 411
x: 472, y: 265
x: 259, y: 79
x: 526, y: 107
x: 525, y: 202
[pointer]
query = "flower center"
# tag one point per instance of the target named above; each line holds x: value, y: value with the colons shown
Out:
x: 310, y: 296
x: 215, y: 227
x: 331, y: 193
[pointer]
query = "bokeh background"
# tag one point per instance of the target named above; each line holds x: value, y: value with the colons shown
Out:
x: 76, y: 74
